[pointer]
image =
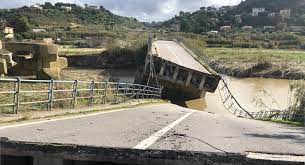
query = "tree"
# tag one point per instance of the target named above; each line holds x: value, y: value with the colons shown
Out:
x: 2, y: 26
x: 20, y: 24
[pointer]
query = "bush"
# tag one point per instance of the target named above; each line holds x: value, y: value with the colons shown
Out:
x: 299, y: 104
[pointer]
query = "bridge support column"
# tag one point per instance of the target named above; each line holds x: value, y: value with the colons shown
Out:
x: 176, y: 74
x: 202, y: 82
x: 162, y: 69
x: 189, y: 78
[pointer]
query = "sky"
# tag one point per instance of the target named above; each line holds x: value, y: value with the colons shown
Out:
x: 143, y: 10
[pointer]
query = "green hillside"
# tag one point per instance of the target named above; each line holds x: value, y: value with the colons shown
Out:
x: 56, y: 18
x: 210, y: 18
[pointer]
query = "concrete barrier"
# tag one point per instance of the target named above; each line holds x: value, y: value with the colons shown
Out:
x: 64, y: 154
x: 38, y: 59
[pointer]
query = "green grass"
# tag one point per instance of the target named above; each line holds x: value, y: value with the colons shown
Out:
x: 63, y: 51
x: 292, y: 123
x: 243, y: 54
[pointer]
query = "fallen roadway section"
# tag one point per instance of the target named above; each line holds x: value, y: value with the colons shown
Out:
x: 156, y: 134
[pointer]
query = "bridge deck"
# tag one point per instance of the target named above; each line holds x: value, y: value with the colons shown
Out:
x: 173, y: 52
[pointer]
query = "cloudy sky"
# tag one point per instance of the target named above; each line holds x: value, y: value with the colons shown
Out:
x: 144, y: 10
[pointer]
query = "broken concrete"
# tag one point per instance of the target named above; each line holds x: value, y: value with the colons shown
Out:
x: 38, y: 59
x: 6, y: 60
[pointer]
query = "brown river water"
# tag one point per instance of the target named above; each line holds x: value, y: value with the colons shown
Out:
x: 272, y: 92
x: 250, y: 93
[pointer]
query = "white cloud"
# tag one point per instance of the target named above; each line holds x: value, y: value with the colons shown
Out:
x: 144, y: 10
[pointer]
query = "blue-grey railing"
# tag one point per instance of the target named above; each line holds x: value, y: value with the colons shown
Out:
x: 48, y: 92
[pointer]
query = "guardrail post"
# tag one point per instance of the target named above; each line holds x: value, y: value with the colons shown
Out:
x: 143, y: 91
x: 92, y: 86
x: 74, y: 94
x: 125, y: 92
x: 50, y: 95
x: 106, y: 90
x: 117, y: 93
x: 16, y: 95
x: 133, y: 88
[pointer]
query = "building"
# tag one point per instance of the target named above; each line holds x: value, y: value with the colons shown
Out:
x: 269, y: 28
x: 67, y: 8
x: 37, y: 6
x: 39, y: 30
x: 9, y: 32
x: 238, y: 16
x: 212, y: 32
x: 272, y: 14
x: 247, y: 28
x: 257, y: 11
x: 175, y: 28
x: 286, y: 13
x: 225, y: 28
x: 90, y: 7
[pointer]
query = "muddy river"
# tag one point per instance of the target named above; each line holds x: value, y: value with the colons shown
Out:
x: 254, y: 94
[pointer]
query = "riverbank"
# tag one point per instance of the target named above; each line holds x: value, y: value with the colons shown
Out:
x: 284, y: 64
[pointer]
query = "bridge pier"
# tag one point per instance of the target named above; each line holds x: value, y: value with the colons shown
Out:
x: 176, y: 74
x: 162, y: 69
x: 189, y: 78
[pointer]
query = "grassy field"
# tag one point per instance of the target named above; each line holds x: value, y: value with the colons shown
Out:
x: 70, y: 51
x: 249, y: 54
x: 288, y: 64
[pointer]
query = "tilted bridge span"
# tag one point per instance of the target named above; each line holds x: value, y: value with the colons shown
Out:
x: 176, y: 68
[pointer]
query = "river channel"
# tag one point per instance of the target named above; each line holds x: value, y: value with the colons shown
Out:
x: 254, y: 94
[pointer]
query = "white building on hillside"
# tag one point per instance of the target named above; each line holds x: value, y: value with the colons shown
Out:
x: 37, y: 6
x: 272, y: 14
x: 67, y: 8
x: 256, y: 11
x: 9, y: 32
x: 286, y: 13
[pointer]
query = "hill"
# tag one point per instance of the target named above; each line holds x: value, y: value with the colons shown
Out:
x: 210, y: 18
x: 64, y: 16
x: 270, y: 5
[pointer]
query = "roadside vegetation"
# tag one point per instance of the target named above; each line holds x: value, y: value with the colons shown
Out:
x: 299, y: 103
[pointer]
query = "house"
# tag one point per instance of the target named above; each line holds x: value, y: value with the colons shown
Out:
x: 175, y: 28
x: 286, y: 13
x: 212, y: 32
x: 269, y: 28
x: 9, y: 32
x: 272, y: 14
x: 247, y: 28
x: 238, y: 16
x: 39, y: 30
x: 225, y: 28
x: 67, y: 8
x: 256, y: 11
x: 90, y: 7
x: 37, y: 6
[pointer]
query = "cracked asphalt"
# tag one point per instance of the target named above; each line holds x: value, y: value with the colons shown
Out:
x: 200, y: 131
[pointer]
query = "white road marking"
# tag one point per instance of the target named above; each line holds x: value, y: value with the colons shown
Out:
x: 153, y: 138
x: 274, y: 157
x: 64, y: 118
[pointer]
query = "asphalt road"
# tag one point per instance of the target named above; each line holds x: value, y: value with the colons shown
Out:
x: 173, y: 52
x: 165, y: 127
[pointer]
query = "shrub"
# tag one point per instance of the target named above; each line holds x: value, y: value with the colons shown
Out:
x: 299, y: 104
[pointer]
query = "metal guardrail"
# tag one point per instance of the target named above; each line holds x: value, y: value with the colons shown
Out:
x: 18, y: 92
x: 233, y: 106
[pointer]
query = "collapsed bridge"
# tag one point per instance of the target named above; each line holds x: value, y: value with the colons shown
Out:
x: 172, y: 65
